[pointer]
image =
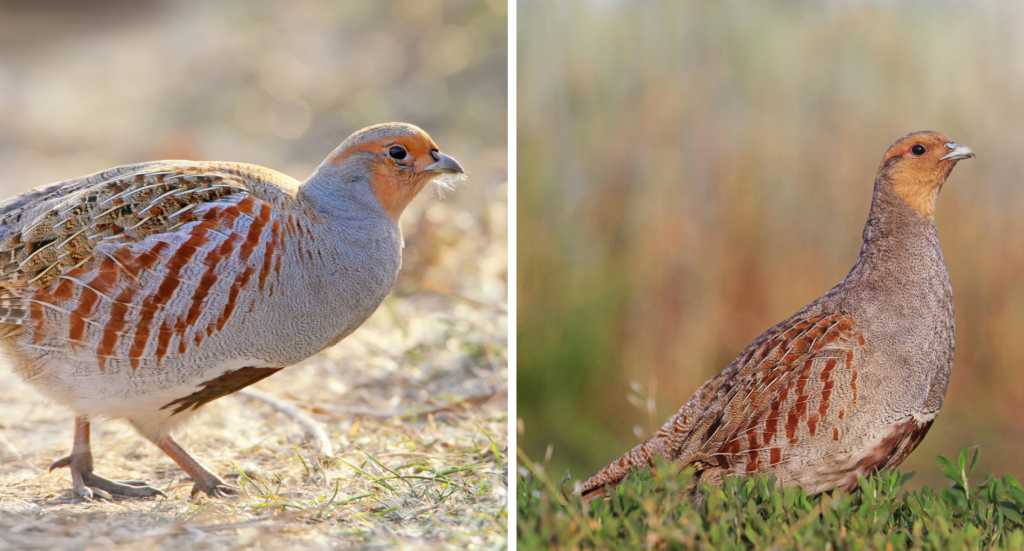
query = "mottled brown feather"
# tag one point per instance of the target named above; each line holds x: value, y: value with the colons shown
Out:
x: 230, y: 382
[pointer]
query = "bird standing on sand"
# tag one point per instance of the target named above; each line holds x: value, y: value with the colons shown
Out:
x: 145, y: 291
x: 851, y: 383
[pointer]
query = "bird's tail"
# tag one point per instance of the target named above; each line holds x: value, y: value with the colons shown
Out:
x: 642, y: 455
x: 670, y: 443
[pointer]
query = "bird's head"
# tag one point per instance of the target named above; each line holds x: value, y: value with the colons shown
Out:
x: 399, y: 159
x: 918, y: 164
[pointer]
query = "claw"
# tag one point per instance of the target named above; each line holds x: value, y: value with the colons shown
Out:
x: 219, y: 490
x: 124, y: 489
x: 90, y: 486
x: 60, y: 463
x: 85, y: 493
x: 205, y: 481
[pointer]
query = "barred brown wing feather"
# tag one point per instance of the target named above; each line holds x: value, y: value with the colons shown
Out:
x: 744, y: 418
x: 145, y: 264
x: 62, y: 233
x: 796, y: 387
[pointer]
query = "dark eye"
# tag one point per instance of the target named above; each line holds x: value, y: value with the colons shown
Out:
x: 918, y: 150
x: 397, y: 152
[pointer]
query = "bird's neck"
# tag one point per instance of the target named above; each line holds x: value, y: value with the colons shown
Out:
x: 900, y: 292
x: 341, y: 194
x: 347, y: 261
x: 348, y: 224
x: 900, y: 250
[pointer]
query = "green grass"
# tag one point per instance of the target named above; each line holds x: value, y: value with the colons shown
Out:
x: 658, y: 510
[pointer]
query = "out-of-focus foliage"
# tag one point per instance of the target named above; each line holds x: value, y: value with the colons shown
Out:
x: 659, y: 512
x: 692, y: 172
x: 84, y: 87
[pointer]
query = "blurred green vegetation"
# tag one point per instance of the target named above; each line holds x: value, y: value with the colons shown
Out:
x: 692, y: 172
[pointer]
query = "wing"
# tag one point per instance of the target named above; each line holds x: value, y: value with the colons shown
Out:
x: 794, y: 389
x: 229, y: 382
x: 783, y: 388
x: 135, y: 263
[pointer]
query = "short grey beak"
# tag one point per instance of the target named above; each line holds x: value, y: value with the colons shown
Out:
x: 444, y: 164
x: 957, y: 152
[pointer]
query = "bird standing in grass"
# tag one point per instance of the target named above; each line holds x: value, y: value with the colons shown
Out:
x: 851, y: 383
x: 145, y: 291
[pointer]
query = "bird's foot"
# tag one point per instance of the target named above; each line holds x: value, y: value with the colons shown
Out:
x: 205, y: 481
x: 126, y: 488
x: 89, y: 486
x: 215, y: 487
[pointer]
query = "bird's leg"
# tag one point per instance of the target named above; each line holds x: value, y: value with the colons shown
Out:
x: 204, y: 480
x: 86, y: 484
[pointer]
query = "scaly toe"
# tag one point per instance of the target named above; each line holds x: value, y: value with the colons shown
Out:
x: 135, y: 482
x: 100, y: 493
x: 84, y: 493
x: 224, y: 490
x: 219, y: 490
x: 61, y: 463
x: 133, y: 488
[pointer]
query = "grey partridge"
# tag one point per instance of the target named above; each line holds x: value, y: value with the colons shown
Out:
x: 851, y: 383
x: 145, y: 291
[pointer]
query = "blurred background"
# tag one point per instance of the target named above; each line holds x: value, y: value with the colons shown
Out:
x: 692, y: 172
x: 86, y: 86
x: 83, y: 88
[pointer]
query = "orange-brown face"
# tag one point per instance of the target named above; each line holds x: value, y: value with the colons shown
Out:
x: 918, y: 164
x: 401, y: 159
